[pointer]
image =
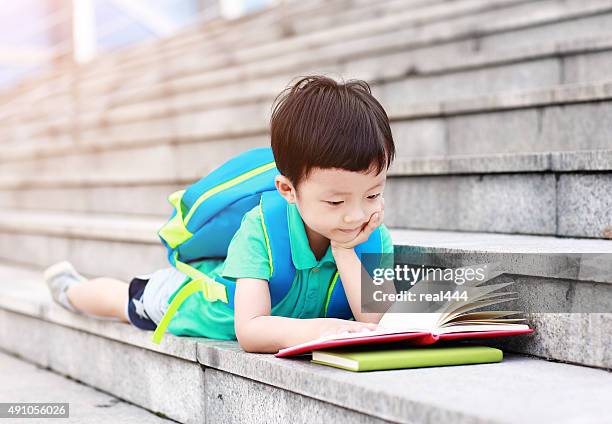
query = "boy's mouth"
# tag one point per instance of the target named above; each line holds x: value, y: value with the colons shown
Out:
x: 349, y: 231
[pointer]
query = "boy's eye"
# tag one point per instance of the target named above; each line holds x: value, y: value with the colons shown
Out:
x: 371, y: 197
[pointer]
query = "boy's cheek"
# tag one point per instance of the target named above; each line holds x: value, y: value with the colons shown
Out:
x: 380, y: 208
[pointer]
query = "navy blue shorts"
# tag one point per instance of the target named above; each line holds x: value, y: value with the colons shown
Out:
x: 136, y: 312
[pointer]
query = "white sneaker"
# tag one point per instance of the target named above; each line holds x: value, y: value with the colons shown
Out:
x: 60, y: 277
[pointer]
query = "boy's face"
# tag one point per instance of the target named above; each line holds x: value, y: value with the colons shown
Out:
x: 336, y: 203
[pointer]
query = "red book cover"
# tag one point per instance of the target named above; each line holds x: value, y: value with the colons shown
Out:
x: 410, y: 338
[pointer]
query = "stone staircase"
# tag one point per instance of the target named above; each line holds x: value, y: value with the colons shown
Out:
x: 31, y: 382
x: 500, y: 113
x: 193, y: 379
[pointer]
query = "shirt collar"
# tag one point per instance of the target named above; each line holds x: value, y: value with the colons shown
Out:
x: 301, y: 253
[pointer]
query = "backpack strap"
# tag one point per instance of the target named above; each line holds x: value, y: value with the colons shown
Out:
x: 212, y: 290
x: 273, y: 214
x: 273, y: 209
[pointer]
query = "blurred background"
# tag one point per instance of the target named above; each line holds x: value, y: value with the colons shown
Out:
x: 500, y: 111
x: 38, y: 34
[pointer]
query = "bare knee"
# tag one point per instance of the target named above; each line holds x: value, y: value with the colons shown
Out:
x: 107, y: 281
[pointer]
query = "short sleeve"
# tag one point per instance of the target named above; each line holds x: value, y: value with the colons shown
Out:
x: 247, y: 254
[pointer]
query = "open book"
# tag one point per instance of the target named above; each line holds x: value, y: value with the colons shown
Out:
x: 460, y: 316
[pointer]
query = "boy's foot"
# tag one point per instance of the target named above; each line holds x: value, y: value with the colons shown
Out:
x: 60, y: 277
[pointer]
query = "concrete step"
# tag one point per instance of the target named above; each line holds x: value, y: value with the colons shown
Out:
x: 132, y: 196
x: 146, y: 78
x: 449, y: 79
x: 497, y: 74
x: 151, y: 53
x: 351, y: 14
x: 143, y: 77
x: 277, y: 22
x: 274, y: 22
x: 571, y: 117
x: 104, y: 244
x: 417, y: 75
x: 441, y: 23
x: 429, y: 78
x: 123, y: 248
x: 192, y: 379
x: 32, y: 383
x: 562, y: 193
x: 256, y: 43
x: 342, y: 57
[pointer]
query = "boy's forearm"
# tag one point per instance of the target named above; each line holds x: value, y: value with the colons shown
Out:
x: 349, y: 269
x: 269, y: 334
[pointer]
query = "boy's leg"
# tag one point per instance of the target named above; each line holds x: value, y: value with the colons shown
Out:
x: 103, y: 297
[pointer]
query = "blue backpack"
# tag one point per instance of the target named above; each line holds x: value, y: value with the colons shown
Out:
x: 207, y: 215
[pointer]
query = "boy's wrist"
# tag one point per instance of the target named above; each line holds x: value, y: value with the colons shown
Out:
x: 338, y: 251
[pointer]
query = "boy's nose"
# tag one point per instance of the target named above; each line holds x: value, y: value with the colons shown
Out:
x: 356, y: 218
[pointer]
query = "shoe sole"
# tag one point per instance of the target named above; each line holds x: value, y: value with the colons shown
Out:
x: 60, y: 268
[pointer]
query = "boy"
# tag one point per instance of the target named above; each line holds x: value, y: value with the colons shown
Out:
x: 332, y: 145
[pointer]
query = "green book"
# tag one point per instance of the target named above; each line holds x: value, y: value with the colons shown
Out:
x: 372, y: 359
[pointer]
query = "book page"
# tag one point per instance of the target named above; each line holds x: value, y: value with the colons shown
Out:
x: 490, y: 300
x: 407, y: 321
x: 479, y: 300
x: 480, y: 327
x: 484, y: 315
x: 399, y: 316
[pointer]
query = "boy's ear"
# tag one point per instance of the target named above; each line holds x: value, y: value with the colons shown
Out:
x: 285, y: 188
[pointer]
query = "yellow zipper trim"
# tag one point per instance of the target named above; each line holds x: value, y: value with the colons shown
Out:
x: 228, y: 184
x: 263, y: 224
x: 330, y: 290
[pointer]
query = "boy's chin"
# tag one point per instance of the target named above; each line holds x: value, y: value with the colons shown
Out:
x: 343, y: 235
x: 347, y: 233
x: 337, y: 235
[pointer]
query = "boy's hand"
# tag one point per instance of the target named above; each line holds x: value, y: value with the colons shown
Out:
x: 375, y: 220
x: 335, y: 326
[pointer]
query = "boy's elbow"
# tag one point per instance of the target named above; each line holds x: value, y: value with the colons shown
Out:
x: 251, y: 340
x: 246, y: 344
x: 245, y: 337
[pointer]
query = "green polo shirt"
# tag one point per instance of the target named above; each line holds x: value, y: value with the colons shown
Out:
x: 247, y: 257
